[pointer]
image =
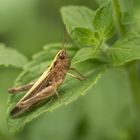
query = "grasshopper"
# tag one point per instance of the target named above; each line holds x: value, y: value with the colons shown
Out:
x: 46, y: 86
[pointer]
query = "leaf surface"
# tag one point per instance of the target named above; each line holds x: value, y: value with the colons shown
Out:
x: 77, y: 16
x: 125, y: 50
x: 69, y: 91
x: 11, y: 57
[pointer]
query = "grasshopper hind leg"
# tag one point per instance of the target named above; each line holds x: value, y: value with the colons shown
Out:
x: 29, y: 103
x: 21, y: 88
x: 43, y: 95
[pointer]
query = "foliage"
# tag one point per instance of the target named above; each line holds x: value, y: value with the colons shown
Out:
x: 11, y: 57
x: 103, y: 41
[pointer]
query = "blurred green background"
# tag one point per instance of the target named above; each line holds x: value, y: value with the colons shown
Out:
x: 106, y: 113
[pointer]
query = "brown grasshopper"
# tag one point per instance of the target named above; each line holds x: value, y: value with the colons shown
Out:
x: 46, y: 86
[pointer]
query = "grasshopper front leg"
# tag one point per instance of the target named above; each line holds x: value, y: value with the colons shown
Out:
x: 80, y: 77
x: 21, y: 88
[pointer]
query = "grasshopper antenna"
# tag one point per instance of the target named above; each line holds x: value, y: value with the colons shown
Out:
x: 65, y: 38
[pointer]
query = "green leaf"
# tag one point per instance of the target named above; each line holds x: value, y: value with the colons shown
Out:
x: 77, y: 16
x: 107, y: 109
x: 125, y: 50
x: 85, y: 37
x: 79, y: 24
x: 89, y: 53
x: 83, y: 54
x: 11, y: 57
x: 103, y: 21
x: 69, y: 91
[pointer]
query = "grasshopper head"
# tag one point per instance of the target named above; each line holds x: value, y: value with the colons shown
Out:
x: 63, y: 58
x: 63, y: 55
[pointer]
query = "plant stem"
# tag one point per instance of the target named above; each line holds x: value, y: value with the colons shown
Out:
x: 118, y: 17
x: 135, y: 83
x: 135, y: 88
x: 132, y: 67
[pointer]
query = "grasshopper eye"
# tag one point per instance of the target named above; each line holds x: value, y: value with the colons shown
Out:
x: 61, y: 55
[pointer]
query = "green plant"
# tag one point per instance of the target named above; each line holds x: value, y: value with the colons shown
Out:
x: 94, y: 33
